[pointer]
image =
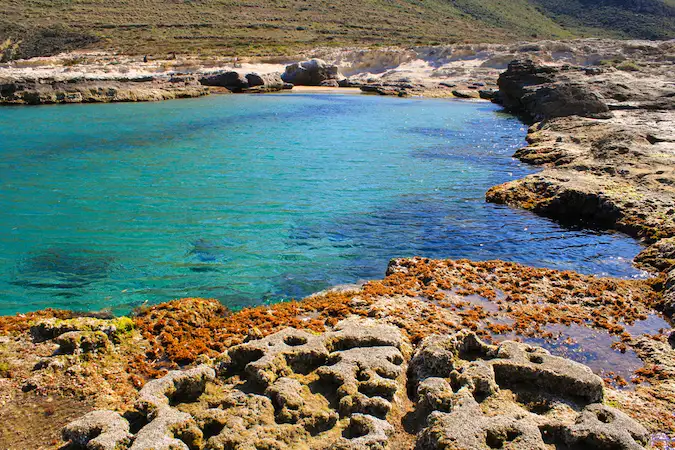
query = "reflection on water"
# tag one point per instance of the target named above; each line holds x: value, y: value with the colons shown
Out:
x: 253, y: 199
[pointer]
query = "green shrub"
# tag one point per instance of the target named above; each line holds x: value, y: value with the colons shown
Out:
x: 628, y: 66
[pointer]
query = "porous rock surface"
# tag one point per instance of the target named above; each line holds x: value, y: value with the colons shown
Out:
x: 359, y: 386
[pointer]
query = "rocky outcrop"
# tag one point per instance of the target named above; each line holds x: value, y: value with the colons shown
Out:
x: 310, y: 73
x: 238, y: 82
x: 348, y: 388
x: 512, y: 396
x: 659, y: 256
x: 615, y: 173
x: 99, y: 430
x: 669, y: 295
x: 36, y: 91
x: 539, y: 92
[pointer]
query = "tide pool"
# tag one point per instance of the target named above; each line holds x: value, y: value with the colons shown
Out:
x: 253, y: 199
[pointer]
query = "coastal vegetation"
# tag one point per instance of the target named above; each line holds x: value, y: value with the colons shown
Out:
x: 226, y: 27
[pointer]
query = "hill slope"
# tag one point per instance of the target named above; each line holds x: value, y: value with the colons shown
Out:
x: 281, y: 26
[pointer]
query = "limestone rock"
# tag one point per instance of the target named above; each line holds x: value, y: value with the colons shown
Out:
x: 99, y: 430
x: 517, y: 364
x: 174, y: 387
x: 330, y: 83
x: 237, y: 82
x: 79, y: 342
x: 170, y: 429
x: 512, y: 396
x: 600, y: 426
x: 659, y: 256
x: 50, y: 90
x: 535, y: 91
x: 231, y: 80
x: 267, y: 81
x: 466, y: 94
x: 344, y: 389
x: 310, y: 73
x: 365, y: 433
x: 669, y: 294
x: 466, y: 427
x: 47, y: 329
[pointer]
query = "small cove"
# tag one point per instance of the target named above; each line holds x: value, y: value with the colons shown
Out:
x: 256, y: 199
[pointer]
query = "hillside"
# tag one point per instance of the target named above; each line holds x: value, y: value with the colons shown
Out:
x: 282, y: 26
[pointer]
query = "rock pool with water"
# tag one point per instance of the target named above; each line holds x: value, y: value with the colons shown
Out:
x: 252, y: 199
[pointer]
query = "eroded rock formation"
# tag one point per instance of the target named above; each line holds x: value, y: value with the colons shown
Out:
x: 35, y: 91
x: 614, y: 173
x: 359, y: 386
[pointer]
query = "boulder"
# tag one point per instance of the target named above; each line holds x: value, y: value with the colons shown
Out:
x: 465, y: 93
x: 536, y: 92
x: 266, y: 81
x: 310, y: 73
x: 230, y: 80
x: 237, y: 82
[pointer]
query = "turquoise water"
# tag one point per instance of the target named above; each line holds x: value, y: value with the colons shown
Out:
x: 254, y: 199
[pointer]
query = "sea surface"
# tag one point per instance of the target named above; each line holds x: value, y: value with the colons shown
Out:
x: 254, y: 199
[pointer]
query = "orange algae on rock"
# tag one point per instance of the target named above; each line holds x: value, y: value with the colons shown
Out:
x: 499, y: 300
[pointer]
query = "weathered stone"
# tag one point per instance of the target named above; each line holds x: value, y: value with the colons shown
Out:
x: 465, y: 93
x: 267, y: 82
x: 499, y: 396
x: 535, y: 91
x: 47, y: 329
x: 79, y: 342
x: 467, y: 427
x: 366, y: 378
x: 659, y: 256
x: 35, y: 91
x: 231, y: 80
x: 344, y: 389
x: 365, y: 433
x: 309, y: 73
x: 99, y: 430
x: 600, y: 426
x: 517, y: 365
x: 669, y: 294
x: 174, y: 387
x: 330, y: 83
x: 277, y: 355
x: 169, y: 429
x: 294, y: 403
x: 435, y: 394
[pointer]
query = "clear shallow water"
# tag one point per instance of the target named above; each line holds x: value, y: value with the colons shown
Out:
x: 254, y: 199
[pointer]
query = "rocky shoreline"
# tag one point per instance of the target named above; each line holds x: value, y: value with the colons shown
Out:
x: 606, y: 141
x: 466, y: 71
x: 391, y: 364
x: 437, y: 355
